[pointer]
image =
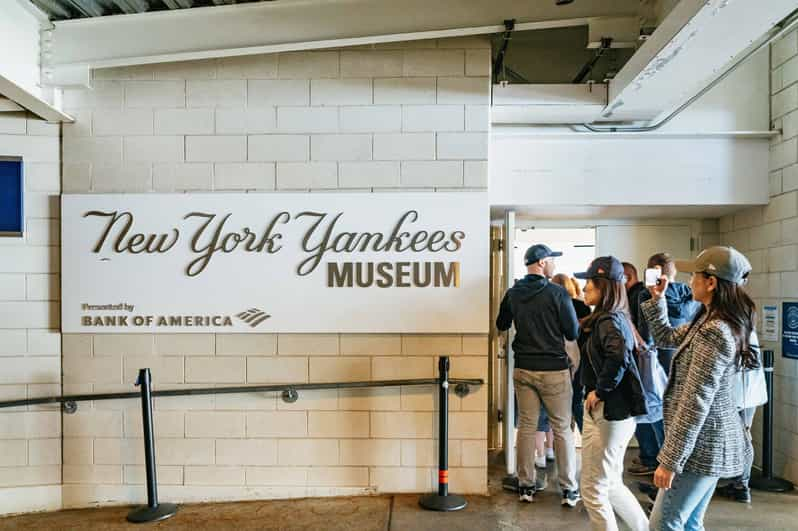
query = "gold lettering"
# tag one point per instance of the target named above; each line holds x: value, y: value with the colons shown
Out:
x: 447, y: 277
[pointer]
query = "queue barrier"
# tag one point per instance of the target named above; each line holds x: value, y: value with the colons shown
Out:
x: 767, y: 481
x: 155, y: 511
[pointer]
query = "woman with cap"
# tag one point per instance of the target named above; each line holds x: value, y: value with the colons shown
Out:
x: 704, y: 437
x: 614, y: 397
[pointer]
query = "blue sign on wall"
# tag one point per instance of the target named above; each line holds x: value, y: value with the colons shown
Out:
x: 11, y: 201
x: 789, y: 330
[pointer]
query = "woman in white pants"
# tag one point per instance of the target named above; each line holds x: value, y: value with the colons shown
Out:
x: 614, y: 398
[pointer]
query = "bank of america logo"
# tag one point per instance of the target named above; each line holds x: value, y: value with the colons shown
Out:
x: 253, y: 316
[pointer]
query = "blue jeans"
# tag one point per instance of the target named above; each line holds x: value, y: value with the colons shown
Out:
x: 650, y: 437
x: 682, y: 507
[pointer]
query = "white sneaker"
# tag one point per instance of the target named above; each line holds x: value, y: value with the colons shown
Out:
x: 550, y: 454
x: 526, y: 494
x: 540, y: 462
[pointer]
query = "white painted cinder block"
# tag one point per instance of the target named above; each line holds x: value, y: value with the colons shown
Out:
x: 307, y: 119
x: 262, y: 66
x: 408, y: 146
x: 419, y: 118
x: 307, y: 65
x: 376, y: 174
x: 123, y: 122
x: 306, y: 175
x: 184, y: 122
x: 13, y: 342
x: 30, y: 314
x: 352, y: 91
x: 462, y: 146
x: 371, y: 119
x: 432, y: 173
x: 93, y: 149
x: 475, y: 173
x: 269, y: 93
x: 477, y: 117
x: 12, y: 287
x: 371, y: 63
x: 216, y: 148
x: 182, y: 176
x: 127, y: 177
x: 103, y: 95
x: 404, y: 90
x: 340, y: 147
x: 246, y: 121
x: 152, y: 94
x: 278, y: 148
x: 434, y: 63
x: 216, y: 93
x: 467, y: 90
x: 200, y: 69
x: 154, y: 148
x: 244, y: 176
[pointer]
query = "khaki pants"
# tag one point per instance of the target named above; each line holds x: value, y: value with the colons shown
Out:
x: 553, y: 389
x: 604, y: 445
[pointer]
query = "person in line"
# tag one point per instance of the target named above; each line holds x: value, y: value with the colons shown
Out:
x: 582, y: 310
x: 682, y: 308
x: 634, y: 287
x: 614, y: 398
x: 704, y: 438
x: 544, y: 318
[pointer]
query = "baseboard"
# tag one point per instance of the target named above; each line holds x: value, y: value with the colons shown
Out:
x: 14, y: 500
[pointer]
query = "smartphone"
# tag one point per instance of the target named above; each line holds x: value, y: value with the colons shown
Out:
x: 652, y: 277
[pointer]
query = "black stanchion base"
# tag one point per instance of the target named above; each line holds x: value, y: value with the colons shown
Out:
x: 435, y: 502
x: 146, y: 513
x: 770, y: 484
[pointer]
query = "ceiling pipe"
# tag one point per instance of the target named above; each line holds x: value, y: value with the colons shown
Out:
x: 777, y: 31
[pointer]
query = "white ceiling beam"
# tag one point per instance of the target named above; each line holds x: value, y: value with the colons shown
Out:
x: 6, y: 105
x: 693, y: 45
x: 264, y: 27
x: 26, y: 100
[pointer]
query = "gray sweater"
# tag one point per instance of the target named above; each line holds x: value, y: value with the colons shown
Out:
x: 703, y: 431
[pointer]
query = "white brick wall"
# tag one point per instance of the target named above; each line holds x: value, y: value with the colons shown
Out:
x: 30, y: 344
x: 768, y: 236
x: 381, y: 118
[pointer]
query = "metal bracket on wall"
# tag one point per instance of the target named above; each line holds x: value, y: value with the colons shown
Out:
x: 290, y: 396
x: 462, y: 390
x: 70, y: 407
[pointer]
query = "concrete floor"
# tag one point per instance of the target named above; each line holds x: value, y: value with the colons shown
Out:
x: 499, y: 511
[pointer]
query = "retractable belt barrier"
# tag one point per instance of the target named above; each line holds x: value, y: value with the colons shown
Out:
x: 767, y: 481
x: 443, y: 501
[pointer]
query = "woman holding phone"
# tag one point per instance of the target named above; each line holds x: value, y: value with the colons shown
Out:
x: 614, y: 397
x: 704, y: 437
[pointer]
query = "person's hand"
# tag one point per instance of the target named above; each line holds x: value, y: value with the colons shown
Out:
x: 658, y: 289
x: 663, y: 478
x: 592, y: 400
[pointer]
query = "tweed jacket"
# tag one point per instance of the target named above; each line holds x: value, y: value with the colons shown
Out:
x: 703, y: 431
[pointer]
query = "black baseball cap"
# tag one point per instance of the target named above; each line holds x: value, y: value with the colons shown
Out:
x: 607, y: 267
x: 538, y: 252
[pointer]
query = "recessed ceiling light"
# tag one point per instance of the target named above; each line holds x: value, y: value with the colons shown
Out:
x: 563, y: 2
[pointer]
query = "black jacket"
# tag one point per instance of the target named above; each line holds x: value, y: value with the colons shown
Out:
x: 543, y: 316
x: 609, y: 366
x: 633, y: 295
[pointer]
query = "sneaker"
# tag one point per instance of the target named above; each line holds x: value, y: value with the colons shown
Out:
x: 540, y: 462
x: 549, y: 454
x: 510, y: 483
x: 641, y: 470
x: 570, y: 498
x: 541, y: 482
x: 526, y: 494
x: 738, y: 494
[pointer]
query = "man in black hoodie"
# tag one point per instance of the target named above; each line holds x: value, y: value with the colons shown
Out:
x: 544, y: 317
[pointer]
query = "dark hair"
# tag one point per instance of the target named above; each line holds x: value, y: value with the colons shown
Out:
x: 731, y: 304
x: 630, y: 266
x: 613, y: 300
x: 665, y: 261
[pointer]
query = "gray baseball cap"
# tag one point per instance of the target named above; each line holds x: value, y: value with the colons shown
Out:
x: 723, y: 262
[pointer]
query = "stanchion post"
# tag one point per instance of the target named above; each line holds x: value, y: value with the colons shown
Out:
x: 766, y: 481
x: 153, y: 511
x: 443, y: 501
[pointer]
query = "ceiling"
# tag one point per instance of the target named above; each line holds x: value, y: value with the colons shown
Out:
x: 72, y: 9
